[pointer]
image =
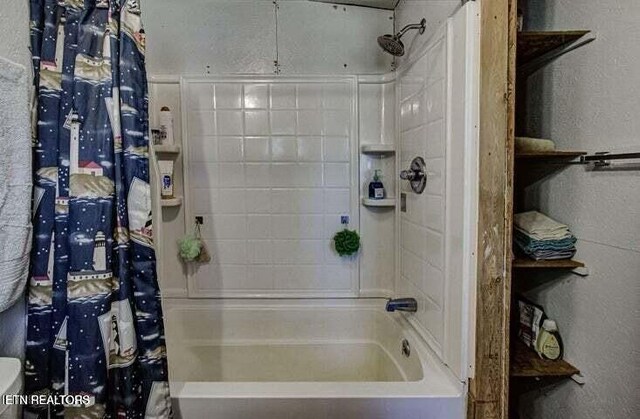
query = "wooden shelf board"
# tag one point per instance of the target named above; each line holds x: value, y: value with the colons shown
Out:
x: 533, y: 45
x: 525, y: 363
x: 525, y: 263
x: 549, y: 155
x: 533, y: 166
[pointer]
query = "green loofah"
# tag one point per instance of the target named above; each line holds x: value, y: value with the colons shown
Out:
x: 347, y: 242
x: 190, y: 247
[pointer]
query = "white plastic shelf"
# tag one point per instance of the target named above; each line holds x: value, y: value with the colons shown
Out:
x: 171, y: 202
x: 167, y: 149
x: 380, y: 203
x: 378, y: 149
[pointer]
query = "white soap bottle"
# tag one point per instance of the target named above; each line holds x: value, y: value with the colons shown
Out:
x: 166, y: 125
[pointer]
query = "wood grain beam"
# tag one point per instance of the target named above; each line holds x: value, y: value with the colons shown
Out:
x: 489, y: 389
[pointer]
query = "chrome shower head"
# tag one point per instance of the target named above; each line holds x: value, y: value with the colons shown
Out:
x: 392, y: 43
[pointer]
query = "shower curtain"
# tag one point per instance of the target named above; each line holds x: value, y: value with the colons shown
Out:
x: 95, y: 323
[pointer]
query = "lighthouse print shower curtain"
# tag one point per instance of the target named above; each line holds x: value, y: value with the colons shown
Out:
x: 95, y: 322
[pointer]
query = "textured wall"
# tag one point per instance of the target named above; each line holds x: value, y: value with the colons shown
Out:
x: 247, y: 36
x: 14, y: 31
x: 589, y: 100
x: 435, y: 12
x: 14, y: 27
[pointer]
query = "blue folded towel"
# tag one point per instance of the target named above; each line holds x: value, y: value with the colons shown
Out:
x: 550, y: 249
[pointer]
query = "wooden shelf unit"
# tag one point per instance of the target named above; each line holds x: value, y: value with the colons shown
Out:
x: 534, y: 50
x: 525, y: 363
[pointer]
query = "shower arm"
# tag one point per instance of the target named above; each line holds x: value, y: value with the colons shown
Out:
x: 420, y: 26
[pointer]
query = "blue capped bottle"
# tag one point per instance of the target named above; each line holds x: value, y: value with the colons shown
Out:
x: 376, y: 188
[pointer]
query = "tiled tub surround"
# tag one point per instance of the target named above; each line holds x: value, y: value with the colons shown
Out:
x: 271, y: 169
x: 437, y: 102
x: 302, y: 358
x: 376, y: 109
x: 270, y: 233
x: 422, y: 226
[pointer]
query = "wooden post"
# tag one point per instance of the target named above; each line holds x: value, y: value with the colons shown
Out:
x: 489, y: 389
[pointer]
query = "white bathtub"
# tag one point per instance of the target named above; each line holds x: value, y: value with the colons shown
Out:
x: 302, y: 359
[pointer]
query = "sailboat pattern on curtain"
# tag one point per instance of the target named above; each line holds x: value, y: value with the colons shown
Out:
x: 95, y: 323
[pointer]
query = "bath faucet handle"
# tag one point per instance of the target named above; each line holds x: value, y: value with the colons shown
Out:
x: 416, y: 175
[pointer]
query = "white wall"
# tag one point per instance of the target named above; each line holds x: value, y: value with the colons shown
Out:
x: 589, y: 100
x: 272, y: 168
x: 246, y: 36
x: 14, y: 33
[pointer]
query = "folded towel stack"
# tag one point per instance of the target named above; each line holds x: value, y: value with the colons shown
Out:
x: 542, y: 238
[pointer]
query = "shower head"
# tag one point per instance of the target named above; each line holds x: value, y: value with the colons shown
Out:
x: 392, y: 43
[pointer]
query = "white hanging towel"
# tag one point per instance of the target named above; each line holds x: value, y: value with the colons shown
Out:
x: 15, y: 182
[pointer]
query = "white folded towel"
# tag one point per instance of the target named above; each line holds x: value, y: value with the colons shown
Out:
x: 532, y: 145
x: 540, y: 227
x: 15, y: 182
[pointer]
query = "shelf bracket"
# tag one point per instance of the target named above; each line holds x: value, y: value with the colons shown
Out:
x: 579, y: 378
x: 582, y: 271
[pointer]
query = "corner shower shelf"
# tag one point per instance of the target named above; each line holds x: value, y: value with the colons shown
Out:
x: 167, y: 149
x: 526, y: 363
x: 171, y: 202
x: 378, y: 149
x: 525, y: 263
x: 380, y: 203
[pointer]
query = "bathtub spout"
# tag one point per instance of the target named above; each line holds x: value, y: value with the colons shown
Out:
x: 402, y: 304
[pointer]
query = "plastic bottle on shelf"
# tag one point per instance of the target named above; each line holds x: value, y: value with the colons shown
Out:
x: 166, y: 125
x: 549, y: 344
x: 376, y: 188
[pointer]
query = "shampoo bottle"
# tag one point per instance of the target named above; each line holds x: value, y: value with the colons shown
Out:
x: 166, y: 173
x: 549, y: 344
x: 376, y: 189
x: 166, y: 125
